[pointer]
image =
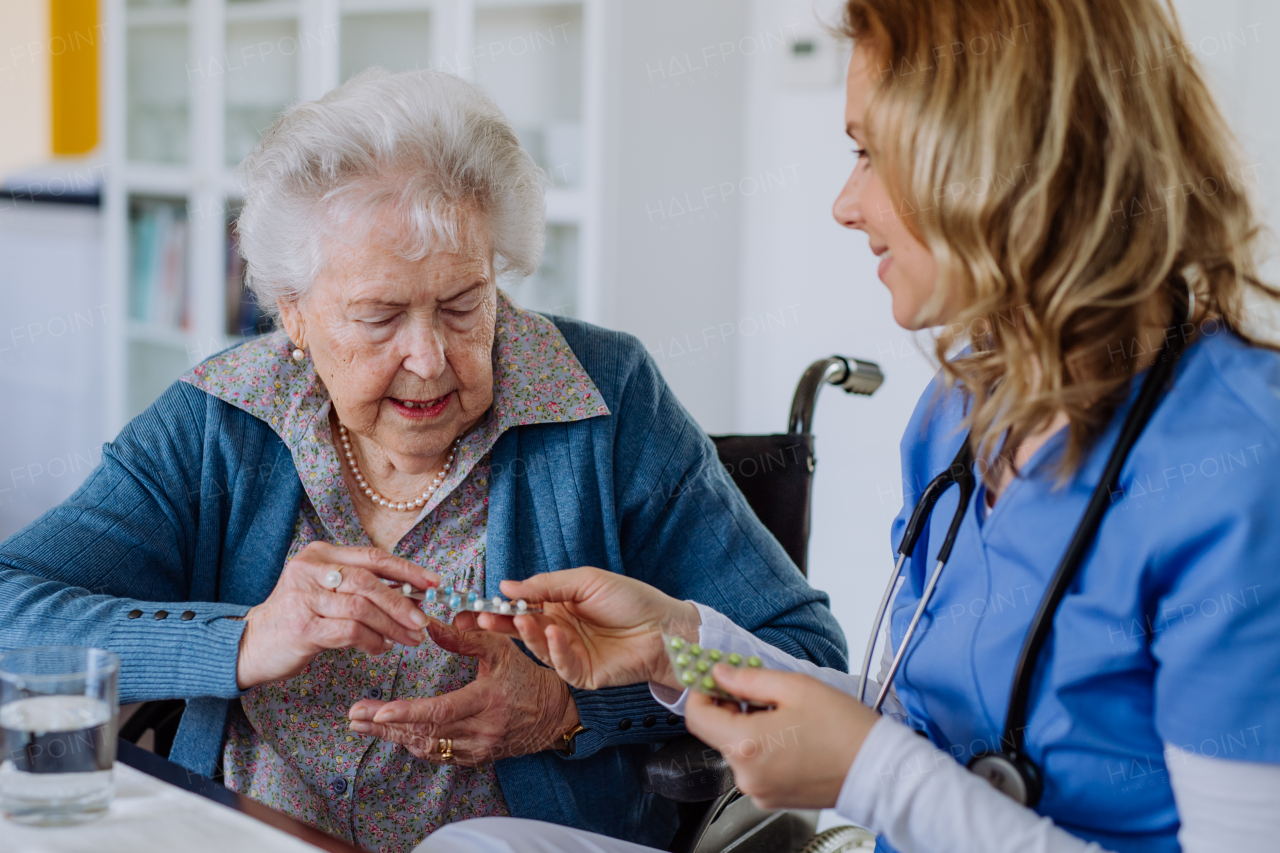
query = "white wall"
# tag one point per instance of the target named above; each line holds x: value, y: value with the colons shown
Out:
x: 1238, y: 41
x: 24, y: 83
x: 672, y: 266
x: 795, y: 258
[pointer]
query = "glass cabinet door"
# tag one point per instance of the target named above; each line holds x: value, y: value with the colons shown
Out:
x: 262, y: 74
x: 159, y: 296
x: 157, y: 69
x: 529, y: 58
x: 159, y: 290
x: 554, y: 287
x: 397, y: 38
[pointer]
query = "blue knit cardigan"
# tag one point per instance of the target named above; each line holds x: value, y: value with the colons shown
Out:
x: 187, y: 521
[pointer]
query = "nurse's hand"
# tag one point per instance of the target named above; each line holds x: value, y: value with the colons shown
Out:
x: 597, y: 629
x: 796, y: 756
x: 302, y: 617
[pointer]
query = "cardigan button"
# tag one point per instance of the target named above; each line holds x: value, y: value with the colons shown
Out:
x: 339, y: 785
x: 624, y: 725
x: 162, y: 614
x: 650, y: 721
x: 188, y: 615
x: 673, y: 720
x: 375, y: 693
x: 134, y: 614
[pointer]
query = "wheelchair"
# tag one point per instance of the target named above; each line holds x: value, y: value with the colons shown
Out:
x: 775, y: 474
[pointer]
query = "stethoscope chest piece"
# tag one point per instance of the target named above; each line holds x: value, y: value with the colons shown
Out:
x: 1019, y: 780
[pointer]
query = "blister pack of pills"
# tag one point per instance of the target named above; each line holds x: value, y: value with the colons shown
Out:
x: 468, y: 599
x: 693, y: 663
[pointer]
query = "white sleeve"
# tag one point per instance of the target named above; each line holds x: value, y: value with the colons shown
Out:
x: 903, y: 787
x: 1222, y: 804
x: 717, y: 631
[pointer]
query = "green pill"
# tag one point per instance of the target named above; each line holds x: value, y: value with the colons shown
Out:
x: 676, y: 643
x: 682, y: 661
x: 708, y: 683
x: 735, y: 659
x: 687, y: 678
x: 754, y: 661
x: 702, y: 666
x: 695, y: 649
x: 714, y: 655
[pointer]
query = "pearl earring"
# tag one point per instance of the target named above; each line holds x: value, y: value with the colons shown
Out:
x: 299, y: 355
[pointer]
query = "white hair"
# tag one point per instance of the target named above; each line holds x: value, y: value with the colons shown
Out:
x: 426, y: 147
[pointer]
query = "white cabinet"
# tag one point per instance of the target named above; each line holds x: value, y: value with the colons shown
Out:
x: 191, y: 84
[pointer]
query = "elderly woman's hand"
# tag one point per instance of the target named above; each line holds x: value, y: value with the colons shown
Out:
x: 302, y: 617
x: 598, y: 629
x: 514, y: 706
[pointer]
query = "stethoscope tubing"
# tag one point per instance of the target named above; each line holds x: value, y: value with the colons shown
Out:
x: 879, y: 623
x: 959, y: 473
x: 910, y: 632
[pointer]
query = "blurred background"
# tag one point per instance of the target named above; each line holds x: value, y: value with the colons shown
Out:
x: 692, y: 149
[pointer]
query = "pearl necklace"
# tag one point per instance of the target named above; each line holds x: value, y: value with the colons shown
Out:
x: 417, y: 503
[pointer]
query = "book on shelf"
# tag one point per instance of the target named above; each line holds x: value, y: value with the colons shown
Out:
x: 244, y: 318
x: 158, y: 287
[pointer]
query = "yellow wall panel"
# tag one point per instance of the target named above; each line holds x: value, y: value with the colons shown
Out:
x: 74, y: 38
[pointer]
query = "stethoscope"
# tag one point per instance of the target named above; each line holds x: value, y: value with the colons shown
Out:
x: 1010, y: 770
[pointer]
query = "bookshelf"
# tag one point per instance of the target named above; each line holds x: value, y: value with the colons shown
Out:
x: 190, y: 85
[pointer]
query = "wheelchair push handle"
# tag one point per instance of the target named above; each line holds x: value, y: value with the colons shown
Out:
x: 853, y: 375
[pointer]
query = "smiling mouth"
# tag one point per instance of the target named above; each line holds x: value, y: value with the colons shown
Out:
x: 416, y: 408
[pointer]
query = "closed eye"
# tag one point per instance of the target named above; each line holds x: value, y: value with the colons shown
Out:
x: 465, y: 304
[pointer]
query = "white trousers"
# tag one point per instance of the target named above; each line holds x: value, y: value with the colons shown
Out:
x: 518, y: 835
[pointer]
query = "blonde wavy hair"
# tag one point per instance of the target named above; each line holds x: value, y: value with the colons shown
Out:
x: 1068, y: 168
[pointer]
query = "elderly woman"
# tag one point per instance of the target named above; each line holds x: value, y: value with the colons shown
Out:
x: 409, y: 423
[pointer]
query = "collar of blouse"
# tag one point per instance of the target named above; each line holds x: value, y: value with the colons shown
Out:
x: 536, y: 377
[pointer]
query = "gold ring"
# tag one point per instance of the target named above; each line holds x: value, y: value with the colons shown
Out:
x: 446, y: 748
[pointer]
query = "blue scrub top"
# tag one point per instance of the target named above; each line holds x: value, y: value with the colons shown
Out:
x: 1171, y: 631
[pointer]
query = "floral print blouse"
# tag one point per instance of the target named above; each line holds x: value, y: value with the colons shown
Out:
x: 287, y: 743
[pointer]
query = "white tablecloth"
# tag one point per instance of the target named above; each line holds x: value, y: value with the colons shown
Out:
x: 149, y: 815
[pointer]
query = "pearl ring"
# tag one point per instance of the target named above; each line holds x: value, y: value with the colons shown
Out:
x: 332, y: 579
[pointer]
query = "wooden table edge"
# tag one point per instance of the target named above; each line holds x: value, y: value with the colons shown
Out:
x: 177, y: 775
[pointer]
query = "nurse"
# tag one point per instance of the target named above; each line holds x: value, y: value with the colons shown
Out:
x: 1050, y: 183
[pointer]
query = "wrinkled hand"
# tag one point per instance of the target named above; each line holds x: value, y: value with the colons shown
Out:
x: 796, y: 756
x: 514, y: 707
x: 598, y: 629
x: 301, y: 617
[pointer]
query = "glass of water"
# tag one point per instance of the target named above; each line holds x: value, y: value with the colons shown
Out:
x: 59, y: 711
